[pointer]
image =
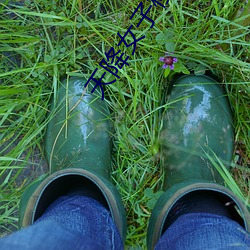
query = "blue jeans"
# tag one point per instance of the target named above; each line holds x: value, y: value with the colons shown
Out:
x: 70, y: 223
x: 80, y: 222
x: 204, y: 231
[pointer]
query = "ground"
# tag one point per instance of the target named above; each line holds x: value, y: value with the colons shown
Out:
x: 44, y: 41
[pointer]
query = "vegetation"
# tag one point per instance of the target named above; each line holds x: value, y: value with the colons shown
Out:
x: 45, y: 41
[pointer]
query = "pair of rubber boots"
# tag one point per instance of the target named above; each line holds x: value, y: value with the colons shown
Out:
x: 197, y: 127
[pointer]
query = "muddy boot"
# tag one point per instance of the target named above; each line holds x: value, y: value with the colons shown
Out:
x: 78, y: 149
x: 197, y: 126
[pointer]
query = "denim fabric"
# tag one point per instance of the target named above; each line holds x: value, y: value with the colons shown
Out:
x: 70, y: 223
x: 204, y: 231
x: 80, y: 222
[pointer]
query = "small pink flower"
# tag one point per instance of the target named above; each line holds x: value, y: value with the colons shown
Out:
x: 168, y: 61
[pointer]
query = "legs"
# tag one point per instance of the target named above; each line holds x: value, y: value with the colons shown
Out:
x: 197, y: 134
x: 80, y: 222
x: 204, y: 220
x: 71, y: 222
x: 181, y: 218
x: 78, y: 150
x: 204, y: 231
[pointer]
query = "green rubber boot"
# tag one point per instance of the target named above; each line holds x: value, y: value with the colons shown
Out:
x: 198, y: 122
x: 78, y: 149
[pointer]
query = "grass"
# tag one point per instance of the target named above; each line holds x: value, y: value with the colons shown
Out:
x: 45, y: 41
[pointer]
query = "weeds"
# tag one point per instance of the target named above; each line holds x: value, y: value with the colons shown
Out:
x: 43, y: 42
